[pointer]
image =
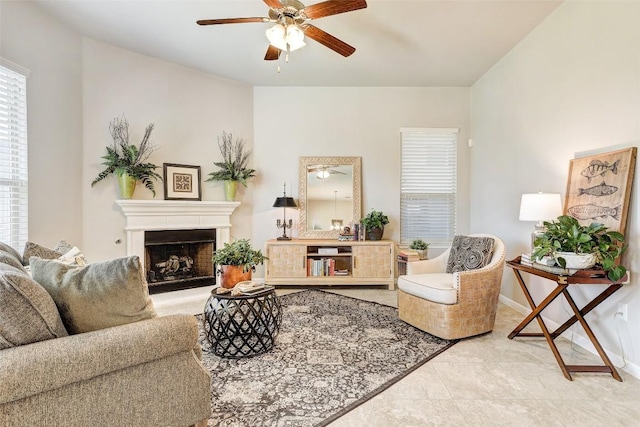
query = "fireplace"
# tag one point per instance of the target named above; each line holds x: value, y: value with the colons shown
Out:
x: 179, y: 259
x: 208, y: 221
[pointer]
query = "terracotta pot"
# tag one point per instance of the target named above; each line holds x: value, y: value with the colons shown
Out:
x: 231, y: 275
x: 127, y: 185
x: 375, y: 233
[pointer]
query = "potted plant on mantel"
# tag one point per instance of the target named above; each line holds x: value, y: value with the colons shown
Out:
x: 236, y: 261
x: 374, y: 224
x: 234, y: 165
x: 128, y: 162
x: 577, y: 246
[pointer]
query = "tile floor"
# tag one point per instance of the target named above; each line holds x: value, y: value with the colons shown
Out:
x: 484, y: 381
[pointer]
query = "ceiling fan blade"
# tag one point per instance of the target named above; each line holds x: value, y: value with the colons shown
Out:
x: 274, y: 4
x: 332, y: 7
x: 230, y: 21
x: 273, y: 53
x: 328, y: 40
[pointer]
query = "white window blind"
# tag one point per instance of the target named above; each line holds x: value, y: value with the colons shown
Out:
x: 428, y: 185
x: 13, y: 156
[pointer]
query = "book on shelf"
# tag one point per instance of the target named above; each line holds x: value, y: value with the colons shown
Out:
x: 321, y: 267
x: 409, y: 255
x: 554, y: 269
x: 327, y: 251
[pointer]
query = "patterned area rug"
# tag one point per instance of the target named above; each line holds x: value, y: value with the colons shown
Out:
x: 332, y: 354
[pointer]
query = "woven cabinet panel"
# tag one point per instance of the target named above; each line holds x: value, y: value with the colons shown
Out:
x: 286, y: 261
x: 372, y: 261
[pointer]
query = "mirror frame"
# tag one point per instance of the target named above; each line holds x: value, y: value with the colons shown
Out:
x: 304, y: 162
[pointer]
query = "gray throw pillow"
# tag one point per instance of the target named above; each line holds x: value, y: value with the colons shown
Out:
x: 34, y: 249
x: 63, y: 247
x: 7, y: 258
x: 96, y: 296
x: 8, y: 249
x: 469, y: 253
x: 27, y: 311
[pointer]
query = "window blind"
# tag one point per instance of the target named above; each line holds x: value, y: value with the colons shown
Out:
x: 428, y: 185
x: 13, y: 157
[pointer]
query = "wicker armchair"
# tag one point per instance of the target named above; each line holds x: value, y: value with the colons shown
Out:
x: 451, y: 306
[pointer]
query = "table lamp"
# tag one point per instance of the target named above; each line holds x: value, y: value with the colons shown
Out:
x: 284, y: 202
x: 539, y: 207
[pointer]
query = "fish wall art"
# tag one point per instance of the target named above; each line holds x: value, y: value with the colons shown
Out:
x: 608, y: 201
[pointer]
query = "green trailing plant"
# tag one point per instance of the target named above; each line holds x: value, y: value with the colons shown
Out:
x: 419, y: 245
x: 235, y: 161
x: 239, y: 253
x: 123, y: 157
x: 374, y: 219
x: 566, y: 234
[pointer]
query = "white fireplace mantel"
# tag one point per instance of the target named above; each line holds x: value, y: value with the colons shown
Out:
x: 143, y: 215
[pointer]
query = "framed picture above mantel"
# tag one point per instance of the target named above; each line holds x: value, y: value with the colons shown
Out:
x: 599, y: 188
x: 181, y: 182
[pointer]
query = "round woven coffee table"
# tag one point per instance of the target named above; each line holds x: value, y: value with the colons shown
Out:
x: 242, y: 326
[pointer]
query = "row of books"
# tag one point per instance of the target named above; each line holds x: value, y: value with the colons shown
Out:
x: 324, y: 267
x: 408, y: 255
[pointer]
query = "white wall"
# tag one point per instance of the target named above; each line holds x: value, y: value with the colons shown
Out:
x: 190, y: 110
x: 291, y: 122
x: 31, y: 38
x: 570, y: 86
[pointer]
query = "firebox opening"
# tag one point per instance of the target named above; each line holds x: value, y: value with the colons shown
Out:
x: 179, y: 259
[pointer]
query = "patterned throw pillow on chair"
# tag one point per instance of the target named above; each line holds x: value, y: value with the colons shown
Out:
x: 469, y: 253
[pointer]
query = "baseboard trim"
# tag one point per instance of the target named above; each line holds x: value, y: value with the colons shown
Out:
x: 581, y: 340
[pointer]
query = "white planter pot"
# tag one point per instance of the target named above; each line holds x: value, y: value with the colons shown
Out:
x: 576, y: 261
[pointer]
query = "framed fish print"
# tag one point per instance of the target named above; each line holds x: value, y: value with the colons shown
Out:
x: 181, y: 182
x: 599, y: 188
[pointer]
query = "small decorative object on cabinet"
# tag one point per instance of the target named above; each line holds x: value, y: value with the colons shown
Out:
x: 330, y: 262
x: 284, y: 202
x: 234, y: 165
x: 374, y: 224
x: 236, y: 262
x: 127, y: 161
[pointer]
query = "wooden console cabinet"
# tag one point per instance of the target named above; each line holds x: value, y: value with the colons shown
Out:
x: 330, y: 262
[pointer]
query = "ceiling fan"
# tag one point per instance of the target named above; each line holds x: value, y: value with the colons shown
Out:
x: 292, y: 19
x: 324, y: 171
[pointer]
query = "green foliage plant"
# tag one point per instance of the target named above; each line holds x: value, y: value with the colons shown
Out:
x: 374, y: 219
x: 239, y: 253
x: 123, y: 157
x: 566, y: 234
x: 419, y: 245
x: 235, y: 161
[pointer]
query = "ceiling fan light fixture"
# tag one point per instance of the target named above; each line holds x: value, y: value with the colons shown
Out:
x: 276, y: 36
x: 295, y: 37
x: 323, y: 174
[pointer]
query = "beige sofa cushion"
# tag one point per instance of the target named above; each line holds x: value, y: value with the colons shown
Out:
x: 27, y: 312
x: 436, y: 287
x: 7, y: 258
x: 8, y: 249
x: 96, y: 296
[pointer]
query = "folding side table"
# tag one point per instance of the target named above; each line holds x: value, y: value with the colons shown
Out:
x: 580, y: 278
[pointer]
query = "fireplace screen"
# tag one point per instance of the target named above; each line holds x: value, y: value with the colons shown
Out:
x: 179, y: 259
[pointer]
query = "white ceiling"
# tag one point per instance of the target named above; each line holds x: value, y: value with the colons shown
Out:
x: 398, y: 42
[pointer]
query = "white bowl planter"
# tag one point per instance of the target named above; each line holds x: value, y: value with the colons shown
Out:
x: 576, y: 261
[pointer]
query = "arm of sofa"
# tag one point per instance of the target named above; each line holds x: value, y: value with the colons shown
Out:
x: 47, y: 365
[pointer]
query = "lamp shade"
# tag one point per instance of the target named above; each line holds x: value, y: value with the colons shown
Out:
x: 285, y: 202
x: 540, y: 207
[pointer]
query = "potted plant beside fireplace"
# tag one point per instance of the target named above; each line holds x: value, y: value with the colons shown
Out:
x: 236, y: 261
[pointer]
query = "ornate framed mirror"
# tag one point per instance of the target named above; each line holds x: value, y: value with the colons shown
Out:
x: 330, y: 195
